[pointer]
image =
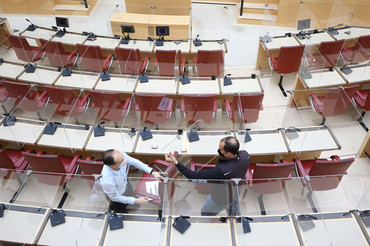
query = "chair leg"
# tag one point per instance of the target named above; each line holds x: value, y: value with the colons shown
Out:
x: 323, y: 121
x: 361, y: 122
x: 4, y: 109
x: 309, y: 198
x: 281, y: 85
x: 362, y: 115
x: 261, y: 204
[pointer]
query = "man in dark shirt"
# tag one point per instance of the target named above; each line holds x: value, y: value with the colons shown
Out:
x: 232, y: 164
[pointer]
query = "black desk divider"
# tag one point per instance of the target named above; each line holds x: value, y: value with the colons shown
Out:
x: 30, y: 68
x: 2, y: 207
x: 66, y: 72
x: 50, y: 128
x: 104, y: 76
x: 158, y: 42
x: 305, y: 221
x: 115, y: 222
x: 143, y: 78
x: 1, y: 61
x: 99, y: 130
x: 60, y: 33
x: 227, y: 80
x: 181, y: 224
x: 306, y: 74
x: 9, y: 120
x: 193, y: 136
x: 146, y: 134
x: 346, y: 70
x: 247, y: 137
x: 184, y: 80
x: 57, y: 217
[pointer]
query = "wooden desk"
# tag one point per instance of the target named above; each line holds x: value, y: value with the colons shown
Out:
x: 145, y: 47
x: 168, y: 86
x: 320, y: 79
x: 200, y: 86
x: 39, y: 32
x: 351, y: 32
x: 79, y: 80
x: 66, y: 136
x: 24, y: 131
x: 70, y: 39
x: 183, y: 46
x: 5, y: 29
x: 162, y: 143
x: 114, y: 138
x: 209, y: 45
x: 117, y: 83
x: 42, y: 75
x: 145, y: 24
x: 11, y: 70
x: 241, y: 85
x: 107, y: 43
x: 315, y: 38
x: 360, y: 74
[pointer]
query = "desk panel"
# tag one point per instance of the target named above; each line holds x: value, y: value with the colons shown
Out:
x: 22, y: 131
x: 360, y: 74
x: 143, y: 45
x: 323, y: 78
x: 10, y: 70
x: 79, y: 80
x: 45, y: 76
x: 117, y: 84
x: 70, y: 39
x: 198, y: 86
x: 209, y: 45
x: 104, y: 43
x: 315, y: 38
x: 161, y: 143
x: 207, y: 145
x: 351, y: 32
x: 184, y: 46
x: 39, y: 32
x: 278, y: 42
x: 241, y: 85
x: 158, y: 86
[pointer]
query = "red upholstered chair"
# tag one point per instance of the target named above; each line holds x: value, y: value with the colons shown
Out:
x: 360, y: 52
x: 109, y: 105
x: 12, y: 160
x: 130, y: 62
x: 4, y: 94
x: 57, y: 55
x: 23, y: 50
x: 165, y: 61
x: 154, y: 109
x: 209, y: 63
x: 92, y: 58
x: 245, y: 107
x: 202, y: 188
x: 288, y: 61
x: 334, y: 103
x: 52, y: 165
x: 325, y: 174
x: 327, y: 55
x: 89, y: 167
x: 161, y: 166
x: 65, y: 101
x: 199, y: 107
x: 362, y: 98
x: 26, y: 97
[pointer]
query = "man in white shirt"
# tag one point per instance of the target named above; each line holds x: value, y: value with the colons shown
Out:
x: 114, y: 179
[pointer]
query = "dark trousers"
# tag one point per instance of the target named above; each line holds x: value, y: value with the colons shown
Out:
x: 118, y: 207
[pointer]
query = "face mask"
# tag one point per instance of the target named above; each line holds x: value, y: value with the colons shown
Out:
x: 219, y: 152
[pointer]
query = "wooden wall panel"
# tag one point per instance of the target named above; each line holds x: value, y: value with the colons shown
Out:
x: 162, y: 7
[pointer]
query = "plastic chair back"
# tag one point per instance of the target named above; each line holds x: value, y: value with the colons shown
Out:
x: 290, y: 59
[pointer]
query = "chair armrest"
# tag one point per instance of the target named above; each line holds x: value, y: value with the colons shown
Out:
x: 215, y: 105
x: 156, y: 62
x: 192, y: 165
x: 249, y: 177
x: 272, y: 60
x: 284, y: 161
x: 182, y: 106
x: 358, y: 93
x: 299, y: 168
x: 41, y: 152
x: 160, y: 162
x: 127, y: 102
x: 71, y: 57
x: 228, y: 107
x: 144, y: 67
x: 108, y: 61
x: 335, y: 157
x: 89, y: 158
x: 75, y: 158
x: 182, y: 67
x: 83, y: 100
x: 195, y: 60
x: 41, y: 95
x: 315, y: 99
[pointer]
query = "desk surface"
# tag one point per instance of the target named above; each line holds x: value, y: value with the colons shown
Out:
x: 158, y: 86
x: 246, y: 85
x: 316, y: 38
x: 312, y: 140
x: 22, y: 132
x: 323, y: 78
x: 158, y: 20
x: 359, y: 74
x: 161, y: 143
x: 70, y: 38
x: 43, y: 33
x: 352, y: 32
x: 10, y: 71
x: 198, y: 86
x: 143, y: 45
x: 78, y: 80
x: 41, y: 76
x: 113, y: 139
x: 263, y: 143
x: 65, y: 138
x: 278, y: 42
x: 184, y: 46
x: 207, y: 144
x: 209, y: 45
x: 104, y: 42
x: 117, y: 84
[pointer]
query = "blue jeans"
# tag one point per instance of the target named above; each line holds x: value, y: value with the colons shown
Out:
x: 210, y: 208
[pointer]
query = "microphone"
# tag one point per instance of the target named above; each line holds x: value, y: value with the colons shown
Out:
x: 197, y: 37
x: 31, y: 27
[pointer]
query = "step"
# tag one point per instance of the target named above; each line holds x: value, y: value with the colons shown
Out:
x: 70, y: 8
x: 260, y: 17
x: 260, y: 6
x: 260, y: 11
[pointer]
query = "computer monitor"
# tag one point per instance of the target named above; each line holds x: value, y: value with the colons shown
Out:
x: 62, y: 22
x: 126, y: 29
x: 162, y: 31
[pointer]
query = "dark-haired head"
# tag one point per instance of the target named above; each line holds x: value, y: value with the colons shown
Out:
x: 231, y: 145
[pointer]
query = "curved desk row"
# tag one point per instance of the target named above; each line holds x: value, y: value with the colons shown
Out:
x: 273, y: 46
x: 265, y: 143
x: 129, y: 84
